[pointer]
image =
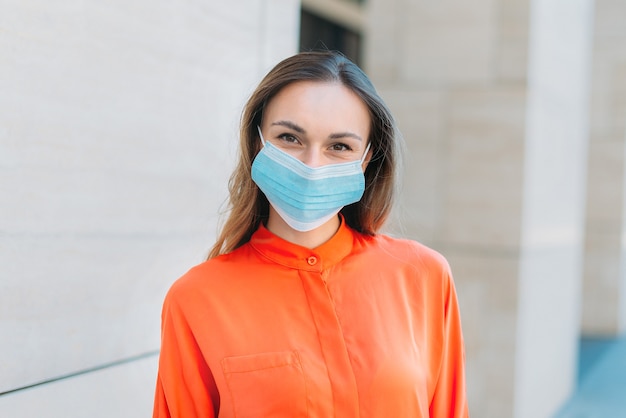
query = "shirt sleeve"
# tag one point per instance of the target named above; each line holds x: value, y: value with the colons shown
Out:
x: 185, y: 385
x: 449, y: 399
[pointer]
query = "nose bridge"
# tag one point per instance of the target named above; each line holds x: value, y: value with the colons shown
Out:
x: 312, y: 156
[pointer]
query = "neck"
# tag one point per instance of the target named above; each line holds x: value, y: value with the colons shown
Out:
x: 308, y: 239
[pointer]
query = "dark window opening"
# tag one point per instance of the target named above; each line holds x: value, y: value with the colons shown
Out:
x: 318, y: 33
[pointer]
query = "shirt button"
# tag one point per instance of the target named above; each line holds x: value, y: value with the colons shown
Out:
x: 311, y: 260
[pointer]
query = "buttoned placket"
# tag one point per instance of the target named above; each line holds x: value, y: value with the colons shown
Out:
x: 314, y: 268
x: 331, y: 338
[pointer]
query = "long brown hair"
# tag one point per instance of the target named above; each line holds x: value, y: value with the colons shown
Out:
x: 249, y: 207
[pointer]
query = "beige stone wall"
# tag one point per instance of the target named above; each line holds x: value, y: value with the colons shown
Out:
x: 458, y: 95
x: 604, y: 304
x: 491, y: 98
x: 118, y: 125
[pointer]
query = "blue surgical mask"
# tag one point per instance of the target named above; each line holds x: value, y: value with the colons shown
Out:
x: 306, y: 197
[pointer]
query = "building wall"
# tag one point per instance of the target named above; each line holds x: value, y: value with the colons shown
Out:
x: 118, y: 124
x: 604, y: 304
x: 492, y: 97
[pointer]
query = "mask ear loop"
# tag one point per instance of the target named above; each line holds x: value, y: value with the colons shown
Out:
x: 261, y: 135
x: 365, y: 153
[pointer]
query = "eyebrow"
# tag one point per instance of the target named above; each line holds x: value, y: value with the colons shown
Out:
x: 340, y: 135
x: 290, y: 125
x: 301, y: 130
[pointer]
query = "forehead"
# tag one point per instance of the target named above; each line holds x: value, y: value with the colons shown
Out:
x: 314, y: 103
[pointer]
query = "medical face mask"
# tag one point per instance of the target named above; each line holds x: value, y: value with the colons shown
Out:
x: 306, y: 197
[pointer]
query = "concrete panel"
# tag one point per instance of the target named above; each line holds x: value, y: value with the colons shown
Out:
x: 604, y: 303
x: 124, y: 391
x: 606, y: 170
x: 118, y: 128
x: 486, y: 281
x: 511, y: 53
x: 449, y: 42
x: 484, y: 159
x: 602, y: 287
x: 384, y: 37
x: 420, y: 117
x: 73, y: 302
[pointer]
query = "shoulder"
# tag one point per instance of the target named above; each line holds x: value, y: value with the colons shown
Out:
x: 406, y: 251
x: 205, y: 278
x: 427, y: 270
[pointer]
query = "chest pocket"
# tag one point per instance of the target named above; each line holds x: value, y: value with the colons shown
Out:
x: 266, y: 385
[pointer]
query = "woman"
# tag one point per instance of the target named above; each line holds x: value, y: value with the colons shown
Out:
x: 303, y: 309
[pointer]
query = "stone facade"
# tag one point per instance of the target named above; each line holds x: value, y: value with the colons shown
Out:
x: 492, y: 99
x: 118, y: 125
x: 604, y: 286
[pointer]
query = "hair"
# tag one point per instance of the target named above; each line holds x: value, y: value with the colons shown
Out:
x: 248, y: 206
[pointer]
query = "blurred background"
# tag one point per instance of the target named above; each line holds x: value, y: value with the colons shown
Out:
x: 118, y: 131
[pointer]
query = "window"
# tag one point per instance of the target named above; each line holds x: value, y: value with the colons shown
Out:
x: 317, y: 33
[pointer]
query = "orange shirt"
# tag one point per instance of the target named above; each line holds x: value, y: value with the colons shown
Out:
x: 358, y: 327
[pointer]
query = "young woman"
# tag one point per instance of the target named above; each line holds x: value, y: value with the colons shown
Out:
x: 303, y: 309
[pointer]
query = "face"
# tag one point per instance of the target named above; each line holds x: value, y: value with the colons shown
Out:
x: 318, y: 123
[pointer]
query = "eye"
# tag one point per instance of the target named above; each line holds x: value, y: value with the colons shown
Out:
x: 288, y: 138
x: 339, y: 146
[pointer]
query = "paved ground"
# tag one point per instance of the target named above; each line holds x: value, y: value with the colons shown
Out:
x: 601, y: 391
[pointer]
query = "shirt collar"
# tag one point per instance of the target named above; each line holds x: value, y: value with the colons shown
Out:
x: 292, y: 255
